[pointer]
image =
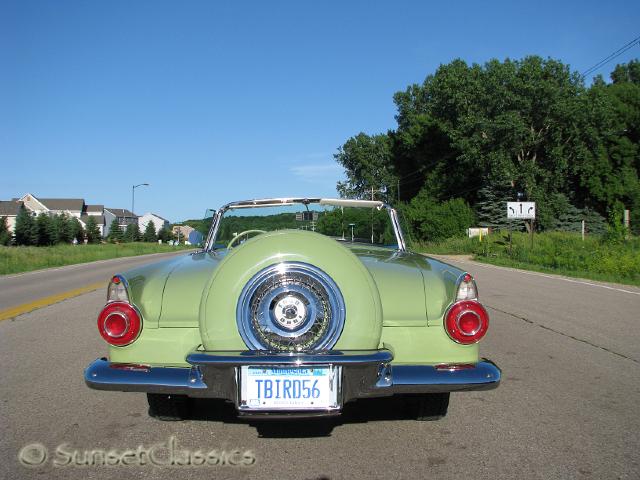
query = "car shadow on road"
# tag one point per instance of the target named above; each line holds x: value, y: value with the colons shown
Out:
x: 361, y: 411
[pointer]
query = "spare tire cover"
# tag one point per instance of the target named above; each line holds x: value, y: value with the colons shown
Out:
x: 219, y: 305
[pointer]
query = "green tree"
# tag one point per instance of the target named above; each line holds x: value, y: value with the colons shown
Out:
x: 5, y: 235
x: 61, y: 230
x: 484, y: 132
x: 491, y: 206
x: 629, y: 72
x: 165, y: 235
x: 132, y: 233
x: 43, y: 227
x: 150, y: 232
x: 75, y: 230
x: 469, y: 125
x: 92, y: 230
x: 25, y: 229
x: 335, y: 223
x: 367, y: 163
x: 115, y: 232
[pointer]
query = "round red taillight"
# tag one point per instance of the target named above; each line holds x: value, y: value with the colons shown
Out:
x: 116, y: 325
x: 119, y: 323
x: 467, y: 322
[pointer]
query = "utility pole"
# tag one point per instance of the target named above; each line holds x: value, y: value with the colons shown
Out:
x: 372, y: 216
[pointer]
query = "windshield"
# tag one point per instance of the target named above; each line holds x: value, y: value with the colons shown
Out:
x: 368, y: 225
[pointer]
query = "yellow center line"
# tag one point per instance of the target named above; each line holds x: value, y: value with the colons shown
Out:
x: 45, y: 301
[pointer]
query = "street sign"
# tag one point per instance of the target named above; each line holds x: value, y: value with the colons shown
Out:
x: 307, y: 216
x: 522, y: 210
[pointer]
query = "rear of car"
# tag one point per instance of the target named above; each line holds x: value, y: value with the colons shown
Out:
x: 294, y: 323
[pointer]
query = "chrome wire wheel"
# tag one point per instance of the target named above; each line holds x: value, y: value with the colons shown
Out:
x: 290, y: 307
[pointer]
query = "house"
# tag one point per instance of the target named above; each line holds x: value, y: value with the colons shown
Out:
x: 122, y: 215
x: 97, y: 212
x: 77, y: 208
x: 9, y: 210
x: 182, y: 232
x: 94, y: 210
x: 158, y: 222
x: 73, y: 207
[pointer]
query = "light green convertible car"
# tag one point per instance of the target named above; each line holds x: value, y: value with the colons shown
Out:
x: 294, y: 307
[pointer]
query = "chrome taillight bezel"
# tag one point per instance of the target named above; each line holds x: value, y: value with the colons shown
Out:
x: 133, y: 323
x: 466, y: 288
x: 118, y: 290
x: 454, y: 313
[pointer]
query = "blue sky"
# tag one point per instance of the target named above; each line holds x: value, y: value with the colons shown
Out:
x: 217, y: 101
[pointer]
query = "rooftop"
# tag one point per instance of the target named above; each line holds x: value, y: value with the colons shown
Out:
x: 9, y: 208
x: 76, y: 204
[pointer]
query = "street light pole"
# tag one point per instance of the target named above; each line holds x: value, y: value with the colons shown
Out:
x: 133, y: 194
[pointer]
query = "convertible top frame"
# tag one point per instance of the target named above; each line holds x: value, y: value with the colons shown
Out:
x: 279, y: 202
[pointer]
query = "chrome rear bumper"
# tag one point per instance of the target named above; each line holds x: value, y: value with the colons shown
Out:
x: 365, y: 374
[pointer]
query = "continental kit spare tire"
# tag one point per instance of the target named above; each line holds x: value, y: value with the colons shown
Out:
x: 290, y: 290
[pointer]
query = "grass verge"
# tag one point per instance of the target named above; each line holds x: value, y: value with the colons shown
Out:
x: 552, y: 252
x: 25, y: 259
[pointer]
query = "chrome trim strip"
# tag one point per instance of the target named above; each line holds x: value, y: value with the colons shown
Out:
x: 275, y: 202
x: 257, y: 357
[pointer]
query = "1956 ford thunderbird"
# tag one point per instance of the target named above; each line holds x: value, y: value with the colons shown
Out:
x: 294, y: 307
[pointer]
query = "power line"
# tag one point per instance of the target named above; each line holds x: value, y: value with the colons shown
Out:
x: 610, y: 57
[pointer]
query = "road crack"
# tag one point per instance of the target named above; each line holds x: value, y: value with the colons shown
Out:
x: 582, y: 340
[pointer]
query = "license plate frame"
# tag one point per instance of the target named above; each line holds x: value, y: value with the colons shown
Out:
x: 329, y: 383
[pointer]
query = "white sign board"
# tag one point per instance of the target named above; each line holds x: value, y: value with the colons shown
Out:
x: 477, y: 231
x: 523, y: 210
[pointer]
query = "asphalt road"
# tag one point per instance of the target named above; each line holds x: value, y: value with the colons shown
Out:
x: 568, y: 406
x: 21, y: 288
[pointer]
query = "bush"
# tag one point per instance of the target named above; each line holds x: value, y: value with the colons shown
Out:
x: 429, y: 220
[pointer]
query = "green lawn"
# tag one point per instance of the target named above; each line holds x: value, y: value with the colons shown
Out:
x: 552, y: 252
x: 24, y: 259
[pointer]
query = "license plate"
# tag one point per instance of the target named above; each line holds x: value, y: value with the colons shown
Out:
x: 289, y: 388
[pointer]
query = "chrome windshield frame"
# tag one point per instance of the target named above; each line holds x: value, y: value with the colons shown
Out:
x: 279, y: 202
